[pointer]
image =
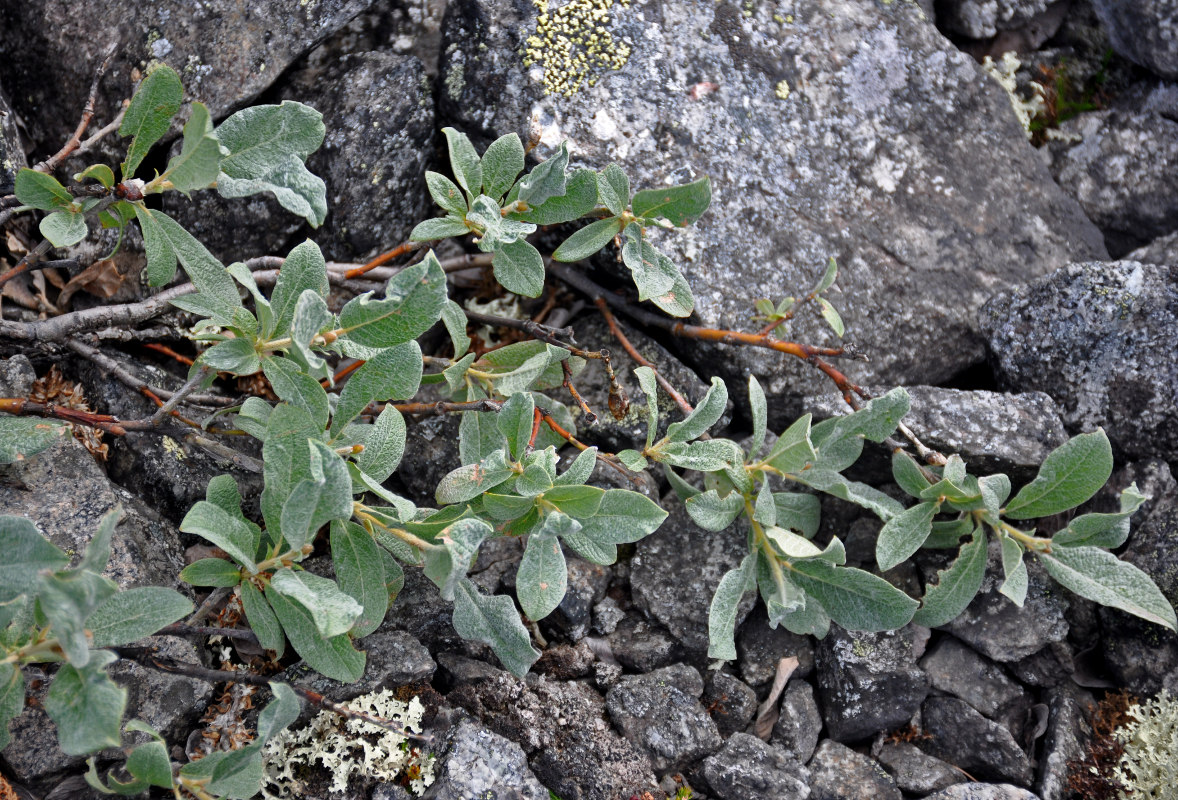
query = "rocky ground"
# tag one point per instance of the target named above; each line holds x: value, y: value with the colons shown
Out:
x: 1022, y: 285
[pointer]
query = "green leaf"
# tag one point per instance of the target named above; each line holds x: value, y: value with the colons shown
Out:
x: 64, y: 228
x: 166, y: 242
x: 907, y: 474
x: 413, y: 302
x: 649, y: 385
x: 132, y: 614
x: 613, y: 187
x: 226, y: 531
x: 502, y: 161
x: 828, y: 277
x: 760, y: 412
x: 286, y: 459
x: 576, y: 501
x: 12, y: 698
x: 519, y: 268
x: 504, y: 507
x: 809, y: 620
x: 876, y: 421
x: 394, y: 374
x: 856, y: 600
x: 296, y: 387
x: 704, y: 456
x: 1015, y: 585
x: 515, y: 422
x: 725, y: 604
x: 712, y: 512
x: 464, y: 161
x: 41, y: 191
x: 471, y: 480
x: 588, y: 240
x: 632, y: 460
x: 26, y: 553
x: 1071, y: 474
x: 98, y: 549
x: 199, y: 161
x: 580, y: 470
x: 385, y: 445
x: 859, y: 493
x: 149, y: 762
x: 547, y: 179
x: 152, y: 107
x: 528, y: 371
x: 903, y: 534
x: 332, y: 611
x: 360, y: 572
x: 66, y: 599
x: 831, y: 316
x: 98, y: 172
x: 652, y: 272
x: 793, y: 449
x: 478, y: 436
x: 764, y: 509
x: 623, y: 517
x: 542, y: 579
x: 279, y: 713
x: 681, y: 205
x: 1103, y: 578
x: 494, y: 622
x: 535, y: 480
x: 799, y: 512
x: 579, y: 200
x: 946, y: 535
x: 304, y: 268
x: 86, y: 705
x: 267, y: 147
x: 429, y: 230
x: 447, y: 565
x: 791, y: 546
x: 325, y: 494
x: 455, y: 322
x: 241, y: 772
x: 446, y: 194
x: 211, y: 572
x: 233, y: 355
x: 262, y: 620
x: 706, y: 414
x: 956, y: 586
x: 1101, y: 530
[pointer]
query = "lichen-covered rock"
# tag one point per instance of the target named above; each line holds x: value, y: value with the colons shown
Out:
x: 675, y: 572
x: 1068, y: 736
x: 799, y: 722
x: 961, y: 736
x: 1162, y: 250
x: 12, y: 154
x: 1123, y: 168
x: 1143, y: 31
x: 226, y: 52
x: 983, y: 791
x: 748, y: 769
x: 730, y: 701
x: 660, y: 712
x: 475, y: 764
x: 868, y: 682
x: 954, y: 668
x: 846, y: 129
x: 759, y: 648
x: 1088, y: 336
x: 981, y: 19
x: 16, y: 376
x: 839, y: 773
x: 915, y: 770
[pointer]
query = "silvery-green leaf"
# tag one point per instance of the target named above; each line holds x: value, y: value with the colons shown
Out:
x: 956, y: 586
x: 856, y: 600
x: 262, y: 620
x: 1071, y: 474
x: 64, y: 228
x: 332, y: 611
x: 502, y: 161
x: 724, y: 606
x: 199, y: 160
x: 519, y: 267
x: 1100, y: 576
x: 86, y: 705
x: 494, y: 621
x: 385, y: 445
x: 588, y: 240
x: 297, y: 388
x: 613, y: 187
x: 623, y: 517
x: 152, y: 107
x: 464, y: 161
x: 304, y: 268
x: 793, y: 449
x: 706, y: 414
x: 760, y: 413
x: 515, y: 422
x: 334, y: 658
x: 903, y: 534
x: 360, y: 572
x: 132, y: 614
x: 445, y: 193
x: 547, y: 179
x: 907, y: 474
x: 413, y: 302
x: 394, y: 374
x: 681, y: 205
x: 471, y: 480
x: 580, y: 470
x: 799, y: 512
x: 543, y: 576
x: 712, y: 512
x: 1015, y: 584
x: 1101, y: 530
x: 166, y: 243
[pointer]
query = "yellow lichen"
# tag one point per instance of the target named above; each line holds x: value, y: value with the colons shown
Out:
x: 573, y: 44
x: 782, y: 90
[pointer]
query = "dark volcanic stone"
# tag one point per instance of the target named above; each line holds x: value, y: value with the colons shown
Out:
x: 661, y: 713
x: 748, y: 769
x: 983, y: 791
x: 12, y: 154
x: 839, y: 773
x: 981, y: 19
x: 394, y: 659
x: 586, y: 586
x: 1087, y: 335
x: 892, y: 152
x: 954, y: 668
x: 799, y: 724
x: 730, y: 701
x: 642, y: 646
x: 1068, y: 736
x: 1143, y: 31
x: 915, y: 770
x: 760, y: 648
x: 476, y: 763
x: 963, y: 737
x: 868, y: 682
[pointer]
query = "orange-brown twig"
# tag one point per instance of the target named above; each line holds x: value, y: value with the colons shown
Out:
x: 51, y: 163
x: 567, y: 383
x: 167, y: 351
x: 384, y: 258
x: 616, y: 330
x: 23, y: 406
x: 537, y: 418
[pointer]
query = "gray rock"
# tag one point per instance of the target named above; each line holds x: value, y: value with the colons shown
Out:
x: 799, y: 724
x: 239, y: 228
x: 476, y: 763
x: 606, y: 616
x: 16, y: 376
x: 660, y: 712
x: 12, y: 153
x: 868, y: 682
x: 730, y: 701
x: 954, y: 668
x: 998, y: 629
x: 991, y: 431
x: 748, y: 769
x: 915, y: 770
x: 390, y: 791
x: 394, y: 659
x: 420, y: 610
x: 586, y: 587
x: 562, y: 729
x: 1122, y: 169
x: 839, y: 773
x: 1050, y: 666
x: 1068, y: 735
x: 642, y: 646
x: 981, y: 19
x: 226, y: 53
x: 64, y: 491
x: 1143, y: 31
x: 760, y: 647
x: 856, y: 162
x: 1087, y: 335
x: 431, y: 453
x: 1162, y: 250
x: 961, y: 736
x: 1138, y: 654
x: 983, y: 791
x: 675, y: 572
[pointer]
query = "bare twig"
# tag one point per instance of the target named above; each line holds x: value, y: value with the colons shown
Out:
x: 237, y: 459
x: 189, y: 386
x: 58, y: 329
x: 631, y: 351
x: 117, y: 371
x: 180, y: 629
x: 51, y: 163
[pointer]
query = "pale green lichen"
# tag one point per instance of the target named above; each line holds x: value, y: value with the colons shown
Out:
x: 573, y: 44
x: 347, y: 747
x: 782, y: 90
x: 1025, y: 108
x: 1148, y: 769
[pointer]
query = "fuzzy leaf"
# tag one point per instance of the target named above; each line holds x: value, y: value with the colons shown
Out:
x: 494, y: 622
x: 706, y: 414
x: 861, y: 494
x: 166, y: 242
x: 760, y: 413
x: 412, y: 303
x: 438, y: 228
x: 956, y: 586
x: 906, y: 472
x: 394, y: 374
x: 64, y: 228
x: 515, y: 422
x: 360, y: 572
x: 211, y: 572
x: 446, y: 194
x: 26, y: 553
x: 653, y: 274
x: 296, y: 387
x: 86, y: 705
x: 448, y: 564
x: 40, y: 191
x: 199, y: 161
x: 132, y: 614
x: 682, y: 205
x: 580, y: 470
x: 856, y: 600
x: 384, y: 446
x: 12, y: 699
x: 547, y: 179
x: 502, y: 161
x: 1100, y: 576
x: 712, y: 512
x: 725, y: 604
x: 226, y: 531
x: 1101, y: 530
x: 613, y: 187
x: 333, y: 658
x: 578, y: 200
x: 543, y: 576
x: 623, y: 517
x: 148, y: 117
x: 519, y: 268
x: 1015, y: 584
x: 233, y: 355
x: 332, y: 611
x: 581, y: 502
x: 455, y: 321
x: 588, y: 240
x: 903, y: 534
x: 831, y: 316
x: 1071, y: 474
x: 799, y: 512
x: 464, y: 161
x: 304, y: 268
x: 262, y: 620
x: 471, y: 480
x: 793, y: 449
